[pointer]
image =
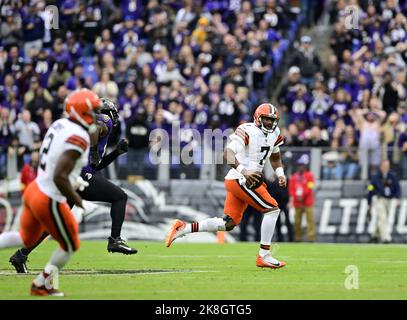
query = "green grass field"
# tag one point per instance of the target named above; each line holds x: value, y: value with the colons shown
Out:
x: 218, y: 271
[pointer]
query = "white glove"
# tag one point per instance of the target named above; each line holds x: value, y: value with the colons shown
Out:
x: 80, y: 184
x: 89, y: 206
x: 79, y: 213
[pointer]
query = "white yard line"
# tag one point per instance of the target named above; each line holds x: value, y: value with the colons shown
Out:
x: 193, y: 256
x: 109, y: 273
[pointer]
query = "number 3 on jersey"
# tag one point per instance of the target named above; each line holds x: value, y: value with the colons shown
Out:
x: 45, y: 147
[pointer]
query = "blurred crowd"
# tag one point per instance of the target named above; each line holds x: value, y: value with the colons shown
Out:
x: 356, y: 103
x: 199, y: 64
x: 208, y: 64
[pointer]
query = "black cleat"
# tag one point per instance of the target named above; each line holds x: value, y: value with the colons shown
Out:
x: 18, y: 260
x: 118, y: 245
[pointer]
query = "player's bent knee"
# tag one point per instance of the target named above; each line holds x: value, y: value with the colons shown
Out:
x: 122, y: 195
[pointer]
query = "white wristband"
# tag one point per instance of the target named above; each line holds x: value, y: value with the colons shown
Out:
x: 279, y: 172
x: 240, y: 168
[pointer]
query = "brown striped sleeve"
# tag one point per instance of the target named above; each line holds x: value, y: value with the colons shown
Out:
x: 77, y: 141
x: 242, y: 134
x: 279, y: 140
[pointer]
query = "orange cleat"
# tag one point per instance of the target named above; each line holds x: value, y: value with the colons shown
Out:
x: 177, y: 226
x: 269, y: 262
x: 43, y: 291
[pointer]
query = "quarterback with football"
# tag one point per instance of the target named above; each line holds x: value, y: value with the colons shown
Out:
x: 63, y: 154
x: 250, y: 146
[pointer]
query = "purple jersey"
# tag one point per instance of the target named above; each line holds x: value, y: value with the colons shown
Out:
x: 102, y: 143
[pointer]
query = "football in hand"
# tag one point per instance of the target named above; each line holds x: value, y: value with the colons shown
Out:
x: 252, y: 184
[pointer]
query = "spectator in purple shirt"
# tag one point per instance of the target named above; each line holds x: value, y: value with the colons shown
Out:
x: 289, y: 87
x: 73, y: 47
x: 358, y: 88
x: 60, y: 53
x: 70, y: 8
x: 160, y: 56
x: 74, y: 81
x: 33, y: 32
x: 320, y: 104
x: 227, y: 108
x: 298, y: 102
x: 201, y: 113
x: 14, y: 105
x: 340, y: 105
x: 104, y: 43
x: 128, y: 102
x: 42, y: 64
x: 132, y: 8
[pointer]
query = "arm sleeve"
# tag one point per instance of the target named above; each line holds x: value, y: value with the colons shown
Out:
x: 236, y: 145
x: 279, y: 141
x: 242, y: 135
x: 238, y: 140
x: 106, y: 160
x: 77, y: 143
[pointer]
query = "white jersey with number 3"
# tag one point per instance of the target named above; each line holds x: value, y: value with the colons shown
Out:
x: 63, y: 135
x: 252, y: 147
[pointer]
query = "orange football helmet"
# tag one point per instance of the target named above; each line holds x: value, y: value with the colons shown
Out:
x: 266, y: 110
x: 81, y: 105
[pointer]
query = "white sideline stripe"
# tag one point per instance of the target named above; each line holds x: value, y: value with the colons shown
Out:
x: 364, y: 260
x: 191, y: 256
x: 89, y: 273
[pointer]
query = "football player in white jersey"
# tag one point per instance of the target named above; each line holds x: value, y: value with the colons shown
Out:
x: 63, y: 154
x: 251, y: 145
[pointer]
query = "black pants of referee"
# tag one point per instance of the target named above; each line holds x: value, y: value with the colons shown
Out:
x: 102, y: 190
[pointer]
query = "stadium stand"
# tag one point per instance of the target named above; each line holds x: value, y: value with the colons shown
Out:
x: 207, y: 64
